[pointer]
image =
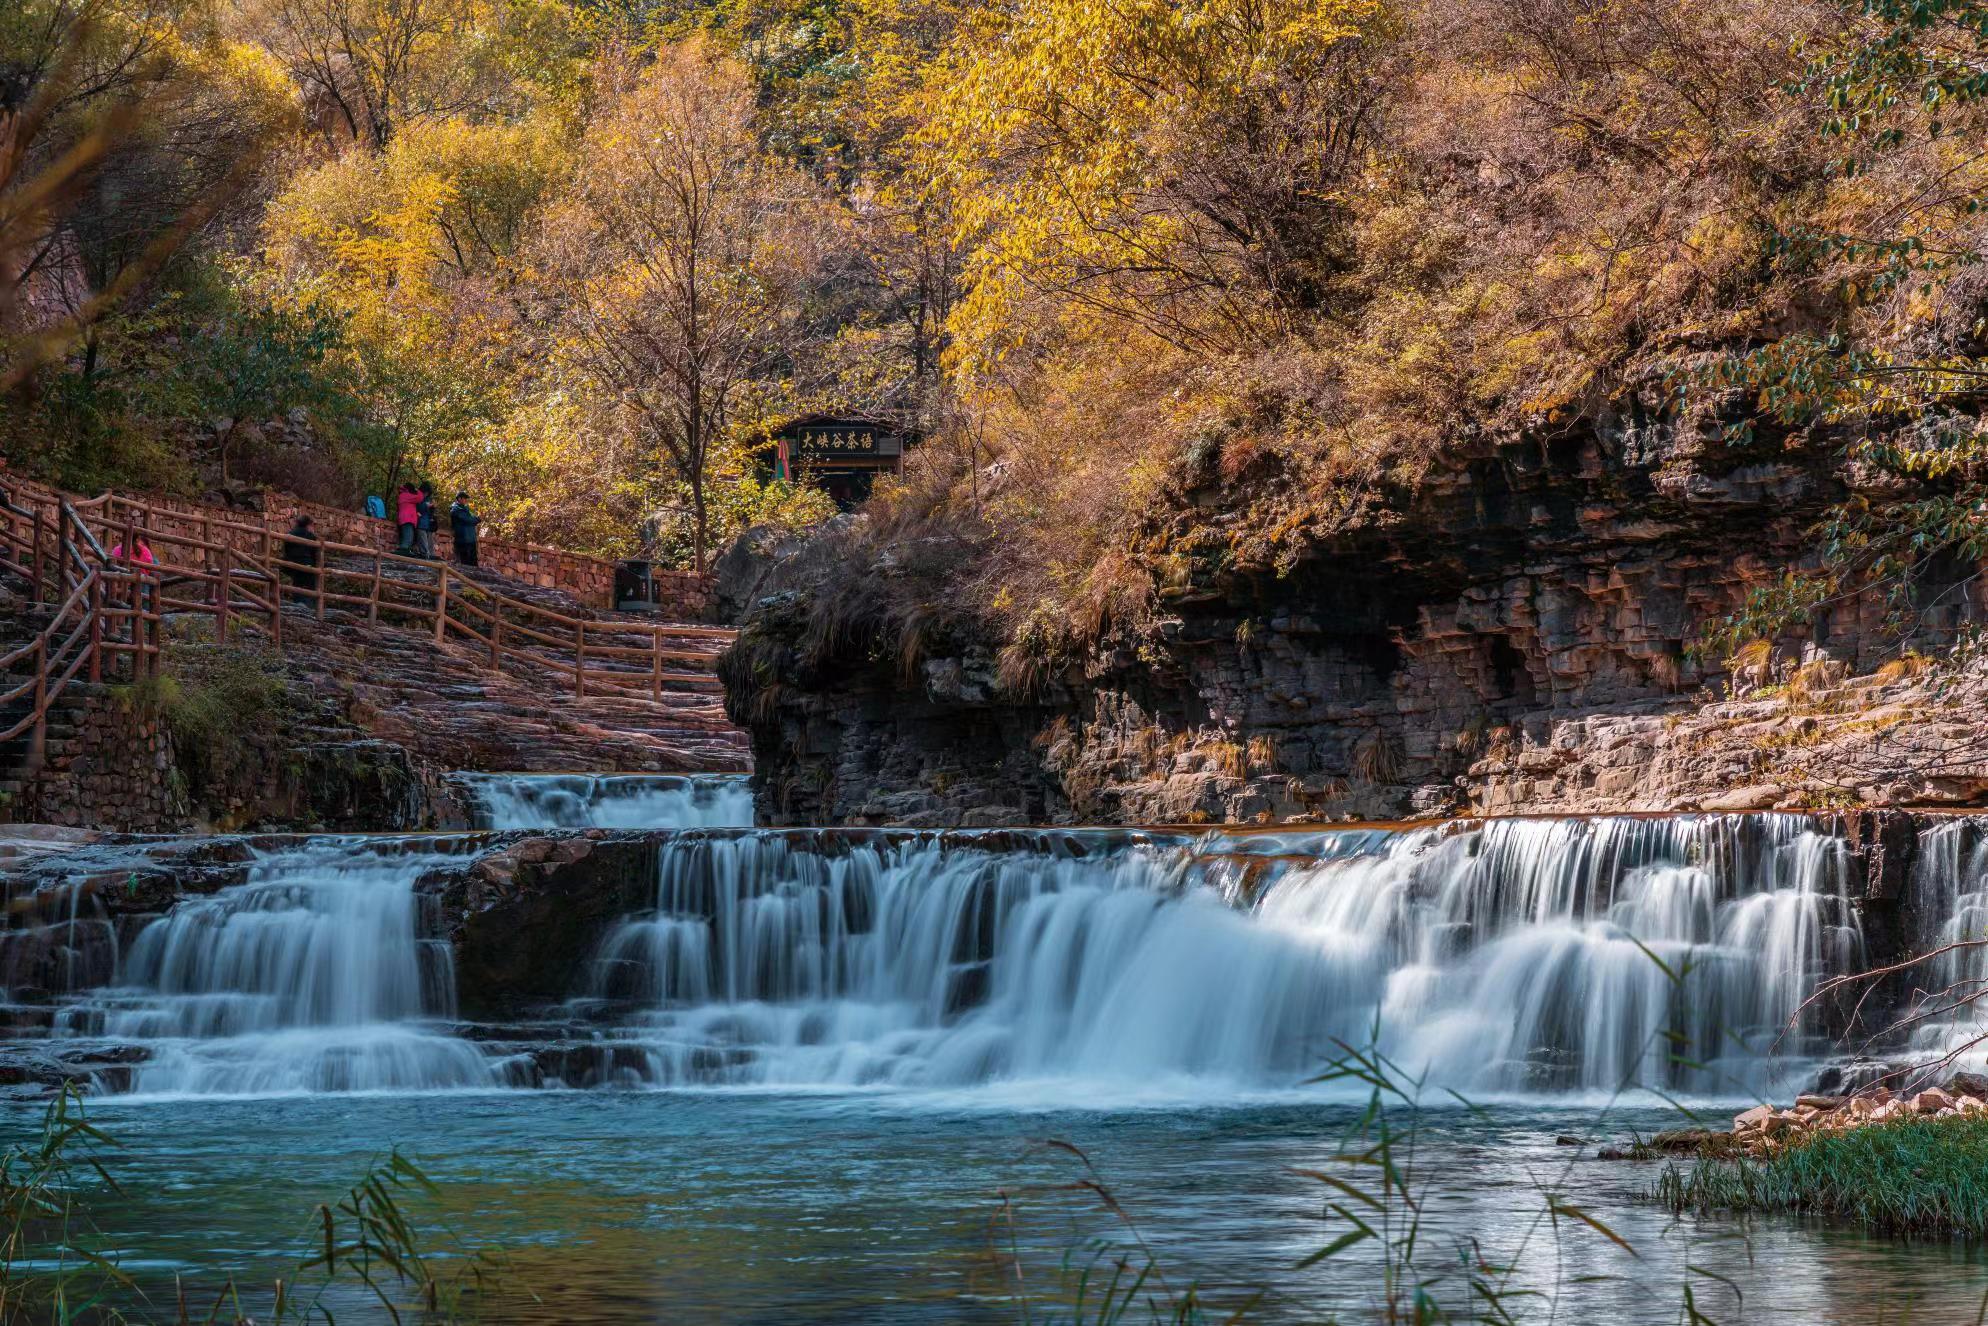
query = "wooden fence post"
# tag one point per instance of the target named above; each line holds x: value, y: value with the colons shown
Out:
x: 36, y: 509
x: 373, y: 604
x: 96, y: 627
x: 38, y: 740
x: 154, y: 623
x: 224, y: 596
x: 61, y: 551
x: 441, y: 602
x: 496, y: 644
x: 579, y: 660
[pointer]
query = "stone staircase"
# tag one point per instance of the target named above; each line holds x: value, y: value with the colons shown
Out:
x: 442, y: 701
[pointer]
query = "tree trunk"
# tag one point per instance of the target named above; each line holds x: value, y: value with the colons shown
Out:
x: 700, y: 528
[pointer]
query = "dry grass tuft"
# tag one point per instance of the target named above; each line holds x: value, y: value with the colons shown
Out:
x: 1377, y: 759
x: 1229, y: 759
x: 1906, y: 666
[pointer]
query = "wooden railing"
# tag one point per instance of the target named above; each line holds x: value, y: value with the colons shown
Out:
x: 104, y: 615
x: 240, y: 573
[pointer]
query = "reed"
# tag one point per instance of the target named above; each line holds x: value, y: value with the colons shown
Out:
x: 56, y: 1267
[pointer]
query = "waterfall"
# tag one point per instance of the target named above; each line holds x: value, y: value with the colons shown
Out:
x: 1950, y: 897
x: 1507, y: 955
x: 608, y: 801
x: 313, y: 975
x: 1489, y: 956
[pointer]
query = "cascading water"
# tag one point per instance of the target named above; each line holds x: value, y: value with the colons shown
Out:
x: 1507, y: 955
x: 609, y: 801
x: 1493, y: 956
x: 311, y: 976
x: 1950, y: 891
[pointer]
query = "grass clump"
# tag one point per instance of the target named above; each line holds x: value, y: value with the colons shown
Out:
x: 217, y: 703
x: 1916, y: 1176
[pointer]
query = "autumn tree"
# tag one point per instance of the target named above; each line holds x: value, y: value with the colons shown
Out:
x: 366, y: 67
x: 1178, y: 170
x: 125, y: 131
x: 679, y: 261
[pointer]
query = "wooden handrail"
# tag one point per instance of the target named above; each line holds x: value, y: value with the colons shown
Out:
x: 231, y: 562
x: 74, y: 637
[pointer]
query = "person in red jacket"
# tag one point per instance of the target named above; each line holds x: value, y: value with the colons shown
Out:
x: 143, y: 556
x: 409, y: 516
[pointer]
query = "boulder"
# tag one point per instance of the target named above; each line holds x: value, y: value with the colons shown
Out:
x: 1931, y: 1101
x: 1968, y: 1084
x: 1753, y: 1120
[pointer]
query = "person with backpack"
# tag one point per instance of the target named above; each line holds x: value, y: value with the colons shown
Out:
x: 462, y: 525
x: 424, y: 514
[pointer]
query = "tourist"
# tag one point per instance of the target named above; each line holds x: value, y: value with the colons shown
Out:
x: 303, y: 551
x: 143, y: 556
x: 424, y: 513
x: 376, y: 507
x: 409, y: 515
x: 146, y: 563
x: 462, y: 524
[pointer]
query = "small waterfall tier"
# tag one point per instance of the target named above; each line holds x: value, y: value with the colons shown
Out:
x: 1501, y: 955
x: 1950, y: 902
x: 608, y: 801
x: 312, y: 976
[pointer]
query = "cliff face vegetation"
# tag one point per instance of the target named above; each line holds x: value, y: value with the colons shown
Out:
x: 1600, y: 339
x: 1345, y: 398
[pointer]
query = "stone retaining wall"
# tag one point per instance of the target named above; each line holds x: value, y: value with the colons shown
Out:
x: 108, y: 767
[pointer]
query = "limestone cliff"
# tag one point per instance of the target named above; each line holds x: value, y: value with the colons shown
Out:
x: 1515, y: 635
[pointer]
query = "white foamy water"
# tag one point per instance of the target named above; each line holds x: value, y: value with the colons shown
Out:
x: 1950, y: 898
x: 315, y: 975
x: 1514, y: 955
x: 1505, y: 956
x: 609, y: 801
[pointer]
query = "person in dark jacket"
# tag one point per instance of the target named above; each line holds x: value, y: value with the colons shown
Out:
x: 424, y: 512
x: 302, y: 548
x: 462, y: 524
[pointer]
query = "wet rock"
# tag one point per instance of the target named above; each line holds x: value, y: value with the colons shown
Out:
x: 1968, y: 1084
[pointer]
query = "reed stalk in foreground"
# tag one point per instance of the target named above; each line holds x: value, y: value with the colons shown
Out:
x: 56, y: 1267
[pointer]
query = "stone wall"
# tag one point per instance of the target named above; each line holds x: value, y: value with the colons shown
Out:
x: 108, y: 766
x: 112, y: 763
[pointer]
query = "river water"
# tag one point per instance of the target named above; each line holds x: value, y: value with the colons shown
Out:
x: 688, y: 1206
x: 844, y: 1058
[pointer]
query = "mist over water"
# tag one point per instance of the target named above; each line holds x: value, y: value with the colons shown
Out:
x: 310, y: 977
x: 1508, y: 956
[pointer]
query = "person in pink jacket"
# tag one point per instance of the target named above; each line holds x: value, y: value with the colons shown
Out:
x: 408, y: 517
